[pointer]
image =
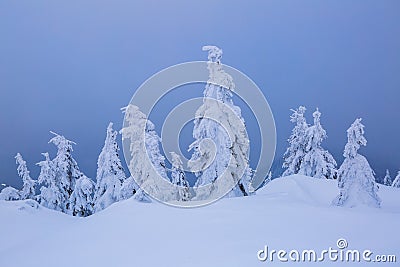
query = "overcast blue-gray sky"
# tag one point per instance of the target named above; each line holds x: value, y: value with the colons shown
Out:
x: 69, y: 66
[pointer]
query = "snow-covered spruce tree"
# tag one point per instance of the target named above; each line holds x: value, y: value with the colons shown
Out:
x: 28, y: 188
x: 295, y: 153
x: 81, y: 200
x: 396, y: 182
x: 146, y: 163
x: 356, y: 179
x: 66, y: 171
x: 130, y: 188
x: 110, y: 173
x: 9, y: 193
x: 317, y: 162
x: 178, y: 178
x: 230, y: 155
x: 267, y: 179
x: 387, y: 180
x: 50, y: 193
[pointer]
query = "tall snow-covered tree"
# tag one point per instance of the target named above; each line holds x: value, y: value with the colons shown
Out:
x: 396, y: 182
x: 296, y: 151
x: 317, y: 162
x: 387, y: 180
x: 220, y: 121
x: 66, y: 170
x: 110, y: 173
x: 28, y: 188
x: 50, y: 194
x: 178, y: 178
x: 146, y: 163
x: 81, y: 200
x: 356, y: 179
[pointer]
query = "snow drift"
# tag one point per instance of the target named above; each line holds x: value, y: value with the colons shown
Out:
x: 293, y: 212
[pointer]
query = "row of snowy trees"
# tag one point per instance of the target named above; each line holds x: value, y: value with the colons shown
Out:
x: 63, y: 187
x: 305, y: 155
x: 387, y: 180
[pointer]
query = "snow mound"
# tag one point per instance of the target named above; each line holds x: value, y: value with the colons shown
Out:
x: 293, y: 212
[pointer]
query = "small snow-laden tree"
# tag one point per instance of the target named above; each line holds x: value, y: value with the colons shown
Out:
x: 9, y: 193
x: 110, y: 173
x: 387, y: 180
x: 131, y: 189
x: 396, y: 182
x: 28, y: 188
x: 296, y: 151
x: 220, y: 122
x: 128, y: 189
x: 66, y: 170
x: 317, y: 162
x: 50, y: 193
x: 268, y: 179
x: 178, y: 178
x: 146, y: 163
x: 81, y: 200
x: 356, y: 179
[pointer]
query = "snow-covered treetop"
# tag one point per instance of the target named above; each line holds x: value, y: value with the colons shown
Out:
x: 317, y: 116
x: 214, y: 53
x: 28, y: 189
x: 46, y: 170
x: 298, y: 115
x: 176, y: 161
x: 355, y: 137
x: 316, y: 134
x: 134, y: 117
x: 217, y: 75
x: 21, y: 169
x: 63, y: 144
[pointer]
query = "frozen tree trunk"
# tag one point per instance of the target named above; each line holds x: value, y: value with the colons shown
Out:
x: 356, y: 178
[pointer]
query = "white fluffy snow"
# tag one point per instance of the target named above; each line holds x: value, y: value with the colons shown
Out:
x: 293, y: 212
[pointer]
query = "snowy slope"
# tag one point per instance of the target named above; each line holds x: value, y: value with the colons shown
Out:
x: 289, y: 213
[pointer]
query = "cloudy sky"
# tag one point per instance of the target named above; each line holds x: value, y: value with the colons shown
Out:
x: 69, y: 66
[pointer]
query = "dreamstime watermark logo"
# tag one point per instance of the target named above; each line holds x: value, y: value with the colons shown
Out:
x: 162, y: 83
x: 340, y: 253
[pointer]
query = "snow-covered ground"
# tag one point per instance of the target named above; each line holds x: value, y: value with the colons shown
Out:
x: 294, y: 212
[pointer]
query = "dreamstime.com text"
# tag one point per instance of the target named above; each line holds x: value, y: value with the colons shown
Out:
x: 338, y: 254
